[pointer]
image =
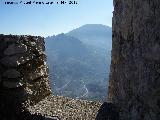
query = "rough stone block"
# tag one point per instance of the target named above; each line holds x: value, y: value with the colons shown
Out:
x: 11, y: 73
x: 15, y: 49
x: 15, y: 61
x: 22, y: 59
x: 135, y: 53
x: 8, y: 84
x: 0, y: 78
x: 39, y: 72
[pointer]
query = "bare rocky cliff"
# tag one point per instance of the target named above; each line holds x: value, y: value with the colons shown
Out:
x: 134, y: 85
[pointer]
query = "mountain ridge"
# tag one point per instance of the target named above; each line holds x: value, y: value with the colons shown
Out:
x: 74, y: 62
x: 97, y: 33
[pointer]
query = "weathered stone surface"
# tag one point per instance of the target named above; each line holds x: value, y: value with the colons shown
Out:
x: 39, y: 89
x: 29, y: 116
x: 66, y: 108
x: 14, y: 61
x: 11, y: 39
x: 8, y: 84
x: 0, y: 78
x: 10, y: 61
x: 11, y: 73
x: 3, y: 45
x: 107, y: 111
x: 15, y: 49
x: 134, y: 77
x: 39, y: 72
x: 22, y: 58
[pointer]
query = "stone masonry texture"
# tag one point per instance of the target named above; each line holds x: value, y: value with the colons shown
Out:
x: 134, y: 85
x: 23, y: 73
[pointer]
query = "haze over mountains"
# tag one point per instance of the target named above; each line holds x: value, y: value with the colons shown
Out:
x: 79, y: 62
x: 96, y: 35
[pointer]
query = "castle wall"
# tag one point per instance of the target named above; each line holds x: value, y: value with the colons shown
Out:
x: 23, y: 73
x: 134, y: 85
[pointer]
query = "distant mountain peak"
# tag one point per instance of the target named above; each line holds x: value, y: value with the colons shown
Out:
x: 79, y: 60
x: 91, y: 27
x: 95, y: 25
x: 97, y: 35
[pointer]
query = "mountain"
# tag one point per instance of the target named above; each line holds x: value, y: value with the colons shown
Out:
x: 78, y: 68
x: 65, y: 46
x: 96, y: 35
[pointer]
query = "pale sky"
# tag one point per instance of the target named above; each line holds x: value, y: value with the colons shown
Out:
x: 46, y: 20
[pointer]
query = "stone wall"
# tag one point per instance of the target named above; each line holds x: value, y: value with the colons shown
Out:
x: 134, y: 85
x: 23, y: 73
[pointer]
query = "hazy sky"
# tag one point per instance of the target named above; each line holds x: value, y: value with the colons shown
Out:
x: 45, y: 20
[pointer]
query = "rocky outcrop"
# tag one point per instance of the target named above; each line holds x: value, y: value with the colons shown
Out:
x: 23, y: 74
x: 135, y: 67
